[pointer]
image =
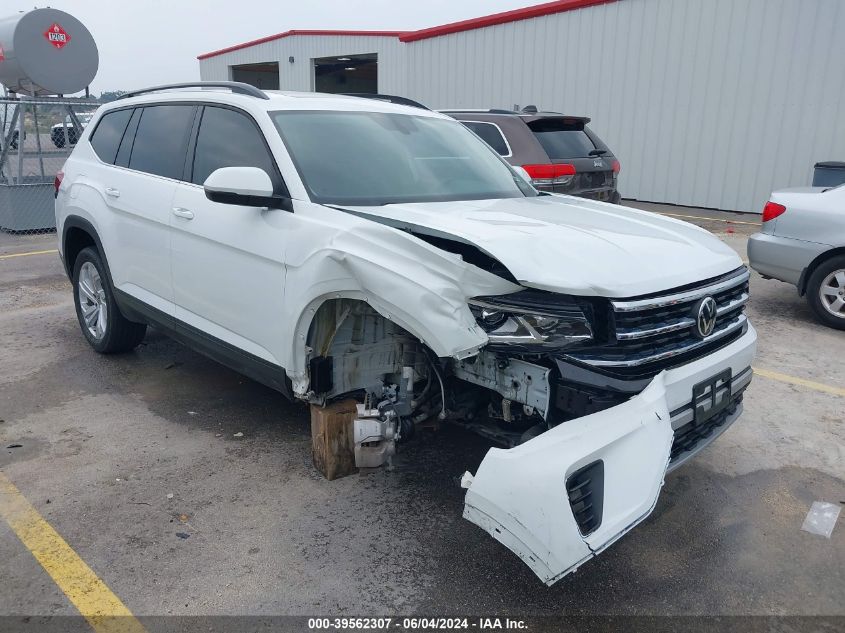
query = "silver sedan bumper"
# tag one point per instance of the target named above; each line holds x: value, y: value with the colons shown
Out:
x: 782, y: 258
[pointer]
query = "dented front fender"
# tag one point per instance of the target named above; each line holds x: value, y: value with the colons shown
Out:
x: 520, y: 495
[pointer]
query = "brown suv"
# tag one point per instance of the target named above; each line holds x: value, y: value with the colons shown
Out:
x: 559, y: 152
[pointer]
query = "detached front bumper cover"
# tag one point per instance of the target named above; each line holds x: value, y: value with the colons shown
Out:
x: 519, y: 496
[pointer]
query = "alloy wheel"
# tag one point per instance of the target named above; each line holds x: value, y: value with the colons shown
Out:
x: 92, y: 300
x: 832, y: 293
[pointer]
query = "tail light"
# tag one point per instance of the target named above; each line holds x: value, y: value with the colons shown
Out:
x: 58, y: 182
x: 550, y: 174
x: 617, y: 166
x: 772, y: 210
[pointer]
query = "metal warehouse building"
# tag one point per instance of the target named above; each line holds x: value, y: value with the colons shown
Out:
x: 709, y: 103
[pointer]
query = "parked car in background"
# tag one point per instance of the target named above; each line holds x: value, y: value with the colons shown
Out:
x: 803, y: 243
x: 559, y: 152
x: 57, y: 132
x: 334, y: 247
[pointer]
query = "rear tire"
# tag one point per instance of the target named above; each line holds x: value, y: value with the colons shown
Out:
x: 826, y: 292
x: 103, y: 325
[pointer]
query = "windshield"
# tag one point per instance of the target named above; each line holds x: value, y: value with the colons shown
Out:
x: 372, y: 158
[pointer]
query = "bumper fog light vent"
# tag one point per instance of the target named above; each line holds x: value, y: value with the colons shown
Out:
x: 585, y: 488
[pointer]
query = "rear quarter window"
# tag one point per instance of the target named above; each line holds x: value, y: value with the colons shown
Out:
x: 491, y: 134
x: 562, y: 137
x: 107, y: 135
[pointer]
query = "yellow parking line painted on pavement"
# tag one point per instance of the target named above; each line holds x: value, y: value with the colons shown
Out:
x: 11, y: 255
x: 801, y: 382
x: 90, y: 595
x: 701, y: 217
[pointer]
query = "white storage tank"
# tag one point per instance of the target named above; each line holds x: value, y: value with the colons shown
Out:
x: 46, y: 52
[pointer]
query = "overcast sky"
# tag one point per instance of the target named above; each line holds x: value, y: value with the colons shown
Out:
x: 148, y: 42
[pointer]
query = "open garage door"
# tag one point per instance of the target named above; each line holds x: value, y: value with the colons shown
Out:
x: 264, y: 75
x: 347, y: 73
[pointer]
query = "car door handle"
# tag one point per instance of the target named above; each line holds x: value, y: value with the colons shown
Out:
x: 183, y: 213
x: 111, y: 191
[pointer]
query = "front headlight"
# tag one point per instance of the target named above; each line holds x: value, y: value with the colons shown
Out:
x: 532, y: 319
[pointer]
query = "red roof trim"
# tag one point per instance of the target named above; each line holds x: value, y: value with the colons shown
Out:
x: 536, y: 11
x: 279, y: 36
x: 559, y: 6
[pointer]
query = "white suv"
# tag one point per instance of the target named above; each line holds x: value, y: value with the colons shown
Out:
x: 333, y: 246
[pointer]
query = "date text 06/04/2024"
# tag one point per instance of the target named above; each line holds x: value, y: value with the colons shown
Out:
x: 416, y: 623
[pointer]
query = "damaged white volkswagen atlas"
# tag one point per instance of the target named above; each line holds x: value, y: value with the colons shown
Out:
x: 334, y: 246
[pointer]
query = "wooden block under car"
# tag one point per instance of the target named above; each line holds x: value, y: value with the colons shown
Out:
x: 332, y: 445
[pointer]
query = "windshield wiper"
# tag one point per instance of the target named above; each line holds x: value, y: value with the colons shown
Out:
x: 597, y: 152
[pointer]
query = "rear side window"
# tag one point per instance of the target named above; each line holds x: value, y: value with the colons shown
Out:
x: 562, y: 137
x: 491, y: 134
x: 229, y: 139
x: 161, y: 139
x: 106, y: 137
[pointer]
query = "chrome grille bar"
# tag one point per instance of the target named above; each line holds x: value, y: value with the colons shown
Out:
x: 680, y: 297
x: 631, y: 334
x: 679, y: 324
x: 741, y: 300
x: 688, y: 346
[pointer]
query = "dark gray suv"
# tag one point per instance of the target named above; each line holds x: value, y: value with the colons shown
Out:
x: 559, y: 152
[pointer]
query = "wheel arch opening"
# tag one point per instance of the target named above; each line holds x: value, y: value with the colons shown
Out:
x: 811, y: 268
x: 76, y: 238
x: 349, y: 345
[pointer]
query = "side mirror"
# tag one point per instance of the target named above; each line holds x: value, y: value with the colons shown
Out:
x: 244, y: 186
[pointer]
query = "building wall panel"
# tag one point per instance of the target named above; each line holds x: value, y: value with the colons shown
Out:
x: 304, y: 49
x: 708, y: 103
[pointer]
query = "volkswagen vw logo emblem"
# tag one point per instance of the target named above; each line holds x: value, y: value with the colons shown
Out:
x: 705, y: 317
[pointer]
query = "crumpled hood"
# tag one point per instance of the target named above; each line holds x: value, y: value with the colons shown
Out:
x: 572, y: 245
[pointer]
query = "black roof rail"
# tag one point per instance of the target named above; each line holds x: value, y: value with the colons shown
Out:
x: 237, y: 87
x: 389, y: 98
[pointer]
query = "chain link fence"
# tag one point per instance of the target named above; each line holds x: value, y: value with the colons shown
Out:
x: 37, y: 137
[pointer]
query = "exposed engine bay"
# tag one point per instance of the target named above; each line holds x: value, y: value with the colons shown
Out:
x: 400, y: 383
